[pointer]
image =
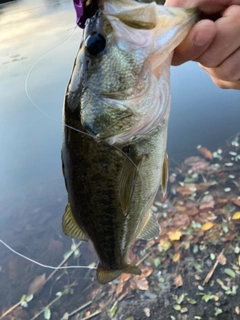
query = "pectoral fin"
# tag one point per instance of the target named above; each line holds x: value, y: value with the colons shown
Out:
x: 165, y: 174
x: 128, y: 180
x: 151, y: 230
x: 104, y: 276
x: 70, y: 226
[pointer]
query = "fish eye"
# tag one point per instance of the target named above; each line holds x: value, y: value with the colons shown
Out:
x: 95, y: 43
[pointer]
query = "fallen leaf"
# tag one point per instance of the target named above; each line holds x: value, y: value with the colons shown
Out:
x: 178, y: 281
x: 207, y: 202
x: 237, y: 310
x: 176, y: 257
x: 236, y: 201
x: 181, y: 220
x: 146, y: 272
x: 187, y: 189
x: 192, y: 212
x: 37, y: 284
x: 236, y: 216
x: 206, y: 153
x: 207, y: 226
x: 174, y: 235
x: 87, y: 314
x: 164, y: 244
x: 124, y: 277
x: 197, y: 164
x: 239, y: 260
x: 147, y: 312
x: 222, y: 259
x: 230, y: 272
x: 140, y: 283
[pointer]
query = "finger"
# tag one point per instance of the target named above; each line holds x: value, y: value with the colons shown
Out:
x: 206, y: 6
x: 226, y: 41
x: 228, y: 70
x: 226, y: 84
x: 196, y: 43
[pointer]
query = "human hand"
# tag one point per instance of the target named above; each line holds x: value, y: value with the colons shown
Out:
x: 215, y: 45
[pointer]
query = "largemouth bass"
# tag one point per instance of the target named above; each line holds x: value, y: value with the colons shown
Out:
x: 119, y: 97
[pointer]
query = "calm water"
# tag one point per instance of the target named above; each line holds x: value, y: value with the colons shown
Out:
x: 32, y: 191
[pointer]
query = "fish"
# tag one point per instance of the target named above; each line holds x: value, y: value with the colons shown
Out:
x: 115, y: 117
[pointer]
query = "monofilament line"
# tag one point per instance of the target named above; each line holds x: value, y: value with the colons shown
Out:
x: 44, y: 265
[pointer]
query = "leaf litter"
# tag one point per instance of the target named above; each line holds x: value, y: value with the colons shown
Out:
x: 200, y: 224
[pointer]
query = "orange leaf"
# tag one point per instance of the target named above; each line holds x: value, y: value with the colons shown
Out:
x: 236, y: 216
x: 174, y: 235
x: 206, y: 153
x: 146, y: 272
x: 141, y: 283
x: 178, y: 281
x: 207, y: 226
x: 176, y: 257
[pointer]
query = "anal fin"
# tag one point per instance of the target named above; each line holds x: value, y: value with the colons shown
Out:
x: 70, y: 226
x: 151, y: 229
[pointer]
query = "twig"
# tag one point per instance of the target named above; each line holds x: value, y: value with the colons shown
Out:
x: 143, y: 258
x: 209, y: 275
x: 49, y: 305
x: 63, y: 262
x: 79, y: 309
x: 92, y: 315
x: 48, y: 278
x: 10, y: 310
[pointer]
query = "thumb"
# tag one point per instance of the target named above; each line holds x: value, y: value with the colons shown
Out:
x: 197, y: 41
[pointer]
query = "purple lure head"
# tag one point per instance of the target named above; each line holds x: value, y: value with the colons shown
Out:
x: 79, y: 11
x: 85, y: 11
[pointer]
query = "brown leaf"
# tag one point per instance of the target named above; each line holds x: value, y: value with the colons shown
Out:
x: 146, y: 272
x: 141, y: 283
x: 222, y: 259
x: 197, y: 164
x: 236, y: 201
x: 187, y: 189
x: 206, y: 153
x: 178, y: 281
x: 207, y: 202
x: 181, y: 220
x: 37, y: 284
x: 192, y: 212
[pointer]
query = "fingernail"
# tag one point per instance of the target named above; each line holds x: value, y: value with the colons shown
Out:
x: 205, y: 33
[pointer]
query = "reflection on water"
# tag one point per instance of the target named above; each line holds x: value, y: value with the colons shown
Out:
x: 32, y: 192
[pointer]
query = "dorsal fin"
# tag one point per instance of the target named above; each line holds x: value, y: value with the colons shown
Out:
x: 70, y: 226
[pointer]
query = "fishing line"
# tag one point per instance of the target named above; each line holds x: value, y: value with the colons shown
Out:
x: 48, y: 115
x: 44, y: 265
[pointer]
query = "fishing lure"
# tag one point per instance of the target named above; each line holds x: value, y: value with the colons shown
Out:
x: 84, y: 9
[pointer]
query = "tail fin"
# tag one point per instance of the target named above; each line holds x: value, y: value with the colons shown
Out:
x: 104, y: 276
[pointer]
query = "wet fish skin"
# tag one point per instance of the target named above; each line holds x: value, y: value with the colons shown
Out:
x: 113, y: 175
